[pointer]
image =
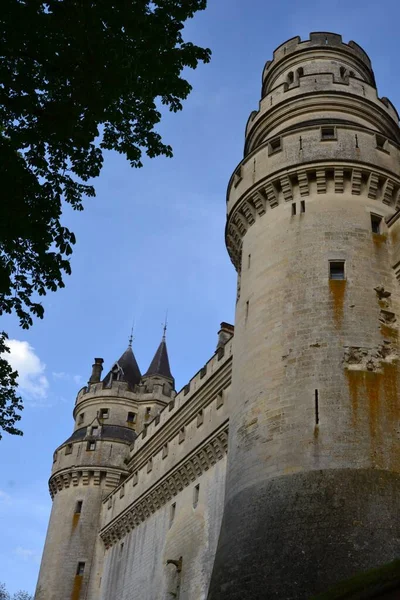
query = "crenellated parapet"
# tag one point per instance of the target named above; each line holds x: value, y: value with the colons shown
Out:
x: 321, y: 128
x: 321, y: 45
x: 183, y: 442
x: 142, y: 506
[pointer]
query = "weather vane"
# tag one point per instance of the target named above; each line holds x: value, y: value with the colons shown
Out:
x: 131, y: 336
x: 165, y: 324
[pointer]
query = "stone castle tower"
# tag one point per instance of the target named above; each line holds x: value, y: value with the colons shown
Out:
x: 313, y: 485
x: 150, y: 500
x: 91, y: 463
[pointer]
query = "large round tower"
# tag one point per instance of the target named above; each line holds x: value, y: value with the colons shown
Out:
x: 313, y: 485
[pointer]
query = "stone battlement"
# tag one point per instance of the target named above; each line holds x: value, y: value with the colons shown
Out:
x: 317, y: 38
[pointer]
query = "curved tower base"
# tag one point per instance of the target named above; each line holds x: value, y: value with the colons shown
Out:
x: 295, y: 536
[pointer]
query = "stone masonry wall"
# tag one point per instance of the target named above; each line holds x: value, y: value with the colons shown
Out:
x: 137, y: 567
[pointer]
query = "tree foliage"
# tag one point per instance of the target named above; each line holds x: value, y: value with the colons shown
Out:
x: 21, y: 595
x: 10, y: 402
x: 77, y: 77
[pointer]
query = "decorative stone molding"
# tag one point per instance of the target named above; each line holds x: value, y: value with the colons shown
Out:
x: 84, y: 476
x: 358, y: 179
x: 203, y: 458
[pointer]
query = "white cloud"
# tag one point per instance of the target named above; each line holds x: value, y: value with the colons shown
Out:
x: 4, y: 498
x: 32, y: 381
x: 27, y: 554
x: 62, y: 376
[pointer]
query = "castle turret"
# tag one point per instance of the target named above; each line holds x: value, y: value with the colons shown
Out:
x: 159, y: 371
x: 86, y: 467
x: 313, y: 485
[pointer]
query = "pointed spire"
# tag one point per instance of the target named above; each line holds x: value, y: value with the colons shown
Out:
x: 124, y: 369
x: 160, y: 363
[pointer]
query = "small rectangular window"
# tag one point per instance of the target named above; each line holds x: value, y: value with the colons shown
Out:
x: 172, y: 513
x: 104, y: 413
x: 237, y: 177
x: 274, y: 146
x: 376, y: 221
x: 78, y: 507
x: 181, y: 436
x: 200, y: 418
x: 336, y: 270
x: 81, y: 568
x: 196, y: 492
x: 302, y: 206
x: 381, y: 142
x: 165, y: 451
x: 328, y: 133
x: 131, y: 418
x: 220, y: 399
x: 148, y: 412
x: 293, y: 209
x: 95, y: 430
x: 91, y: 446
x: 68, y: 449
x: 81, y: 418
x: 248, y: 261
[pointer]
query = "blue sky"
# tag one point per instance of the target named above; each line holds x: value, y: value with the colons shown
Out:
x: 153, y: 239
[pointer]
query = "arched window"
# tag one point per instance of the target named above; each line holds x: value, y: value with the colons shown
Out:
x: 300, y: 72
x: 290, y: 77
x: 343, y: 72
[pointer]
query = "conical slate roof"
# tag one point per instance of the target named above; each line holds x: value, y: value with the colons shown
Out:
x: 160, y: 363
x: 124, y: 369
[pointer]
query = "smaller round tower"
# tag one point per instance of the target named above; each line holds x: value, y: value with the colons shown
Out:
x: 88, y: 466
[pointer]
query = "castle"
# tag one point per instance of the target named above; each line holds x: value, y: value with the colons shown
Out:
x: 274, y: 473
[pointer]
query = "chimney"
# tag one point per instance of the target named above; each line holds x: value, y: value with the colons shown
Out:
x: 224, y: 334
x: 96, y: 370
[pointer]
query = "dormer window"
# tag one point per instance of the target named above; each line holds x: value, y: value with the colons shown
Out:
x: 95, y: 431
x: 116, y: 372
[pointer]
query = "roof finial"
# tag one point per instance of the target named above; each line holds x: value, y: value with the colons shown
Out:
x: 165, y: 324
x: 131, y: 336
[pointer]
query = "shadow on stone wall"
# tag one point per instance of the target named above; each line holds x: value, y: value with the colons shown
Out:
x: 383, y: 583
